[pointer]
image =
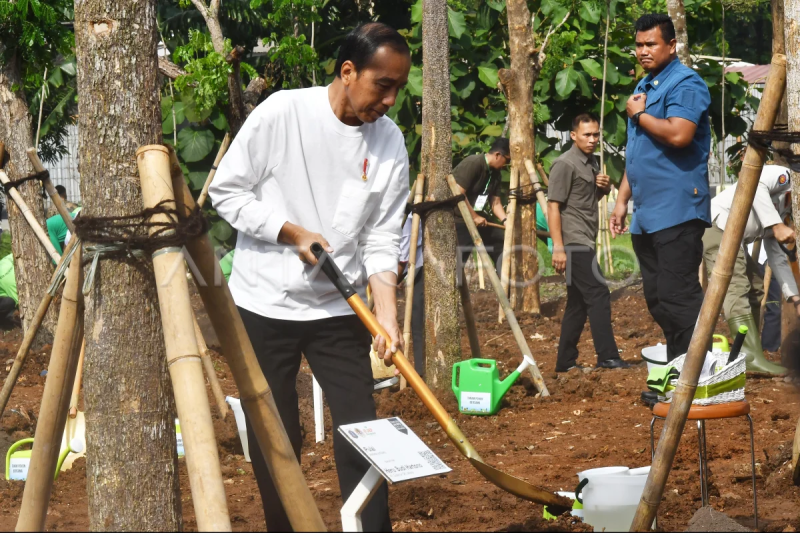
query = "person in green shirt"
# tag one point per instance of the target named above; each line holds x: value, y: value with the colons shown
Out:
x: 8, y: 294
x: 57, y: 230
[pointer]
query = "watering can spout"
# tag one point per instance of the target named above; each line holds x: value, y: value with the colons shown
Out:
x: 504, y: 385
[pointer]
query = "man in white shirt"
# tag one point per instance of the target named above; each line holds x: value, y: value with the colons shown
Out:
x: 742, y: 305
x: 321, y: 165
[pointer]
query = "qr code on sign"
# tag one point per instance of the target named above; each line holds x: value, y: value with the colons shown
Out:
x: 432, y: 460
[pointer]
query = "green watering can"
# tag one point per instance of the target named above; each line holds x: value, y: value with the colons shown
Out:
x: 18, y: 462
x: 477, y: 385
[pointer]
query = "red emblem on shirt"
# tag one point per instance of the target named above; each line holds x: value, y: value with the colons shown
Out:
x: 783, y: 179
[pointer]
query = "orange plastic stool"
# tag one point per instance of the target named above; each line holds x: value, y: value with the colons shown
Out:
x: 701, y: 413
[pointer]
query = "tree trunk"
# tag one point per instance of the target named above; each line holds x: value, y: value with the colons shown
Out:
x: 32, y: 265
x: 442, y: 331
x: 131, y: 470
x: 678, y: 15
x: 787, y: 14
x: 518, y: 83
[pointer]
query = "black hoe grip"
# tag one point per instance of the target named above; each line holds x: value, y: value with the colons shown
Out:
x: 791, y: 253
x: 332, y: 271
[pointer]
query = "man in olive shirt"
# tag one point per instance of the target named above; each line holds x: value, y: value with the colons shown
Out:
x: 576, y: 185
x: 478, y: 177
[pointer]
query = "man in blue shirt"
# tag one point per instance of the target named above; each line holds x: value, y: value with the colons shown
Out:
x: 666, y: 173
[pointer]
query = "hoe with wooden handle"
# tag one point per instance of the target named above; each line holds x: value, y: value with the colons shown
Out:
x: 506, y: 482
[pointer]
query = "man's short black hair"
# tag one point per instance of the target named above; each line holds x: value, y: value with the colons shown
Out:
x: 582, y: 118
x: 361, y: 44
x: 651, y: 20
x: 62, y: 191
x: 501, y: 145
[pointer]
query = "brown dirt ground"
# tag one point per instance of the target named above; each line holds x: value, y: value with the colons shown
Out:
x: 592, y: 419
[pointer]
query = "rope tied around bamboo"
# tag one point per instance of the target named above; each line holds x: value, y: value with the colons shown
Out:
x: 123, y: 238
x: 764, y: 140
x: 423, y: 208
x: 41, y: 176
x: 526, y: 194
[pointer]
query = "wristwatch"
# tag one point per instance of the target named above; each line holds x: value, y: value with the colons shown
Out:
x: 635, y: 118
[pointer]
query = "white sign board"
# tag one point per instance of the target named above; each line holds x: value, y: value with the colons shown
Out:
x: 394, y: 449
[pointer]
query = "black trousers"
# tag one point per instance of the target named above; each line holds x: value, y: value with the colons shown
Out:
x: 7, y: 308
x: 670, y: 263
x: 587, y: 296
x: 337, y: 349
x: 418, y: 322
x: 492, y: 240
x: 771, y: 332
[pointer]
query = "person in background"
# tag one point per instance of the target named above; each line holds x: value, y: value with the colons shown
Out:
x: 8, y: 294
x: 478, y: 177
x: 321, y: 165
x: 742, y: 305
x: 57, y: 229
x: 669, y: 138
x: 418, y: 306
x: 576, y: 185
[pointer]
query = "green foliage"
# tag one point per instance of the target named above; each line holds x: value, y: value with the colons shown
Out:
x: 33, y: 29
x: 206, y: 81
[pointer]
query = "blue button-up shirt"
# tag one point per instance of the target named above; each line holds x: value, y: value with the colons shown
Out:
x: 670, y: 185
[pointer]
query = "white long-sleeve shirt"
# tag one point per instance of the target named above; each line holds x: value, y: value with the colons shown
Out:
x: 295, y: 161
x: 771, y: 205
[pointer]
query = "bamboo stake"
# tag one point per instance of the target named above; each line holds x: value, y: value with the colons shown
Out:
x: 542, y: 174
x: 55, y: 403
x: 709, y: 312
x: 469, y: 317
x: 76, y: 388
x: 51, y: 191
x: 208, y: 365
x: 255, y: 393
x: 536, y: 187
x: 538, y: 381
x: 226, y: 142
x: 29, y: 216
x: 419, y: 188
x: 767, y: 281
x: 508, y: 238
x: 30, y: 335
x: 476, y: 260
x: 183, y: 360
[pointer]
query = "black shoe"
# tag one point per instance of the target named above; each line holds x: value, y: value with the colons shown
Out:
x: 566, y: 370
x: 651, y: 398
x: 613, y: 363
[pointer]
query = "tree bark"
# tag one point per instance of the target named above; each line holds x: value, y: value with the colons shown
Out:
x: 32, y: 265
x: 518, y: 83
x: 678, y: 15
x: 442, y: 332
x: 787, y: 14
x: 131, y: 470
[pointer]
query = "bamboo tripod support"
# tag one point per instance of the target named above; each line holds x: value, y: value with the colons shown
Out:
x: 767, y: 281
x: 536, y: 187
x: 469, y: 316
x: 211, y: 373
x: 41, y: 234
x: 51, y: 191
x: 183, y: 360
x: 76, y: 388
x: 30, y: 335
x: 538, y: 381
x: 55, y: 403
x: 223, y: 148
x: 709, y: 312
x: 411, y: 272
x: 256, y: 395
x: 508, y: 237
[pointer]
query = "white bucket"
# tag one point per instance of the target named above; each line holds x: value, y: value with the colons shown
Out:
x: 655, y: 356
x: 238, y: 413
x: 610, y: 501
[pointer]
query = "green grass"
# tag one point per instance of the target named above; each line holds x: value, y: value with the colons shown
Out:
x: 622, y: 256
x: 5, y: 244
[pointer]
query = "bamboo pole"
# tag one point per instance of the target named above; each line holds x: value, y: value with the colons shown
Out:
x: 508, y: 237
x: 55, y: 402
x: 211, y: 373
x: 51, y: 191
x: 76, y: 388
x: 767, y: 281
x: 476, y: 259
x: 183, y: 360
x: 469, y: 317
x: 709, y: 312
x: 256, y: 395
x: 30, y: 335
x: 536, y: 187
x: 223, y: 148
x: 29, y: 216
x: 538, y: 381
x: 419, y: 188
